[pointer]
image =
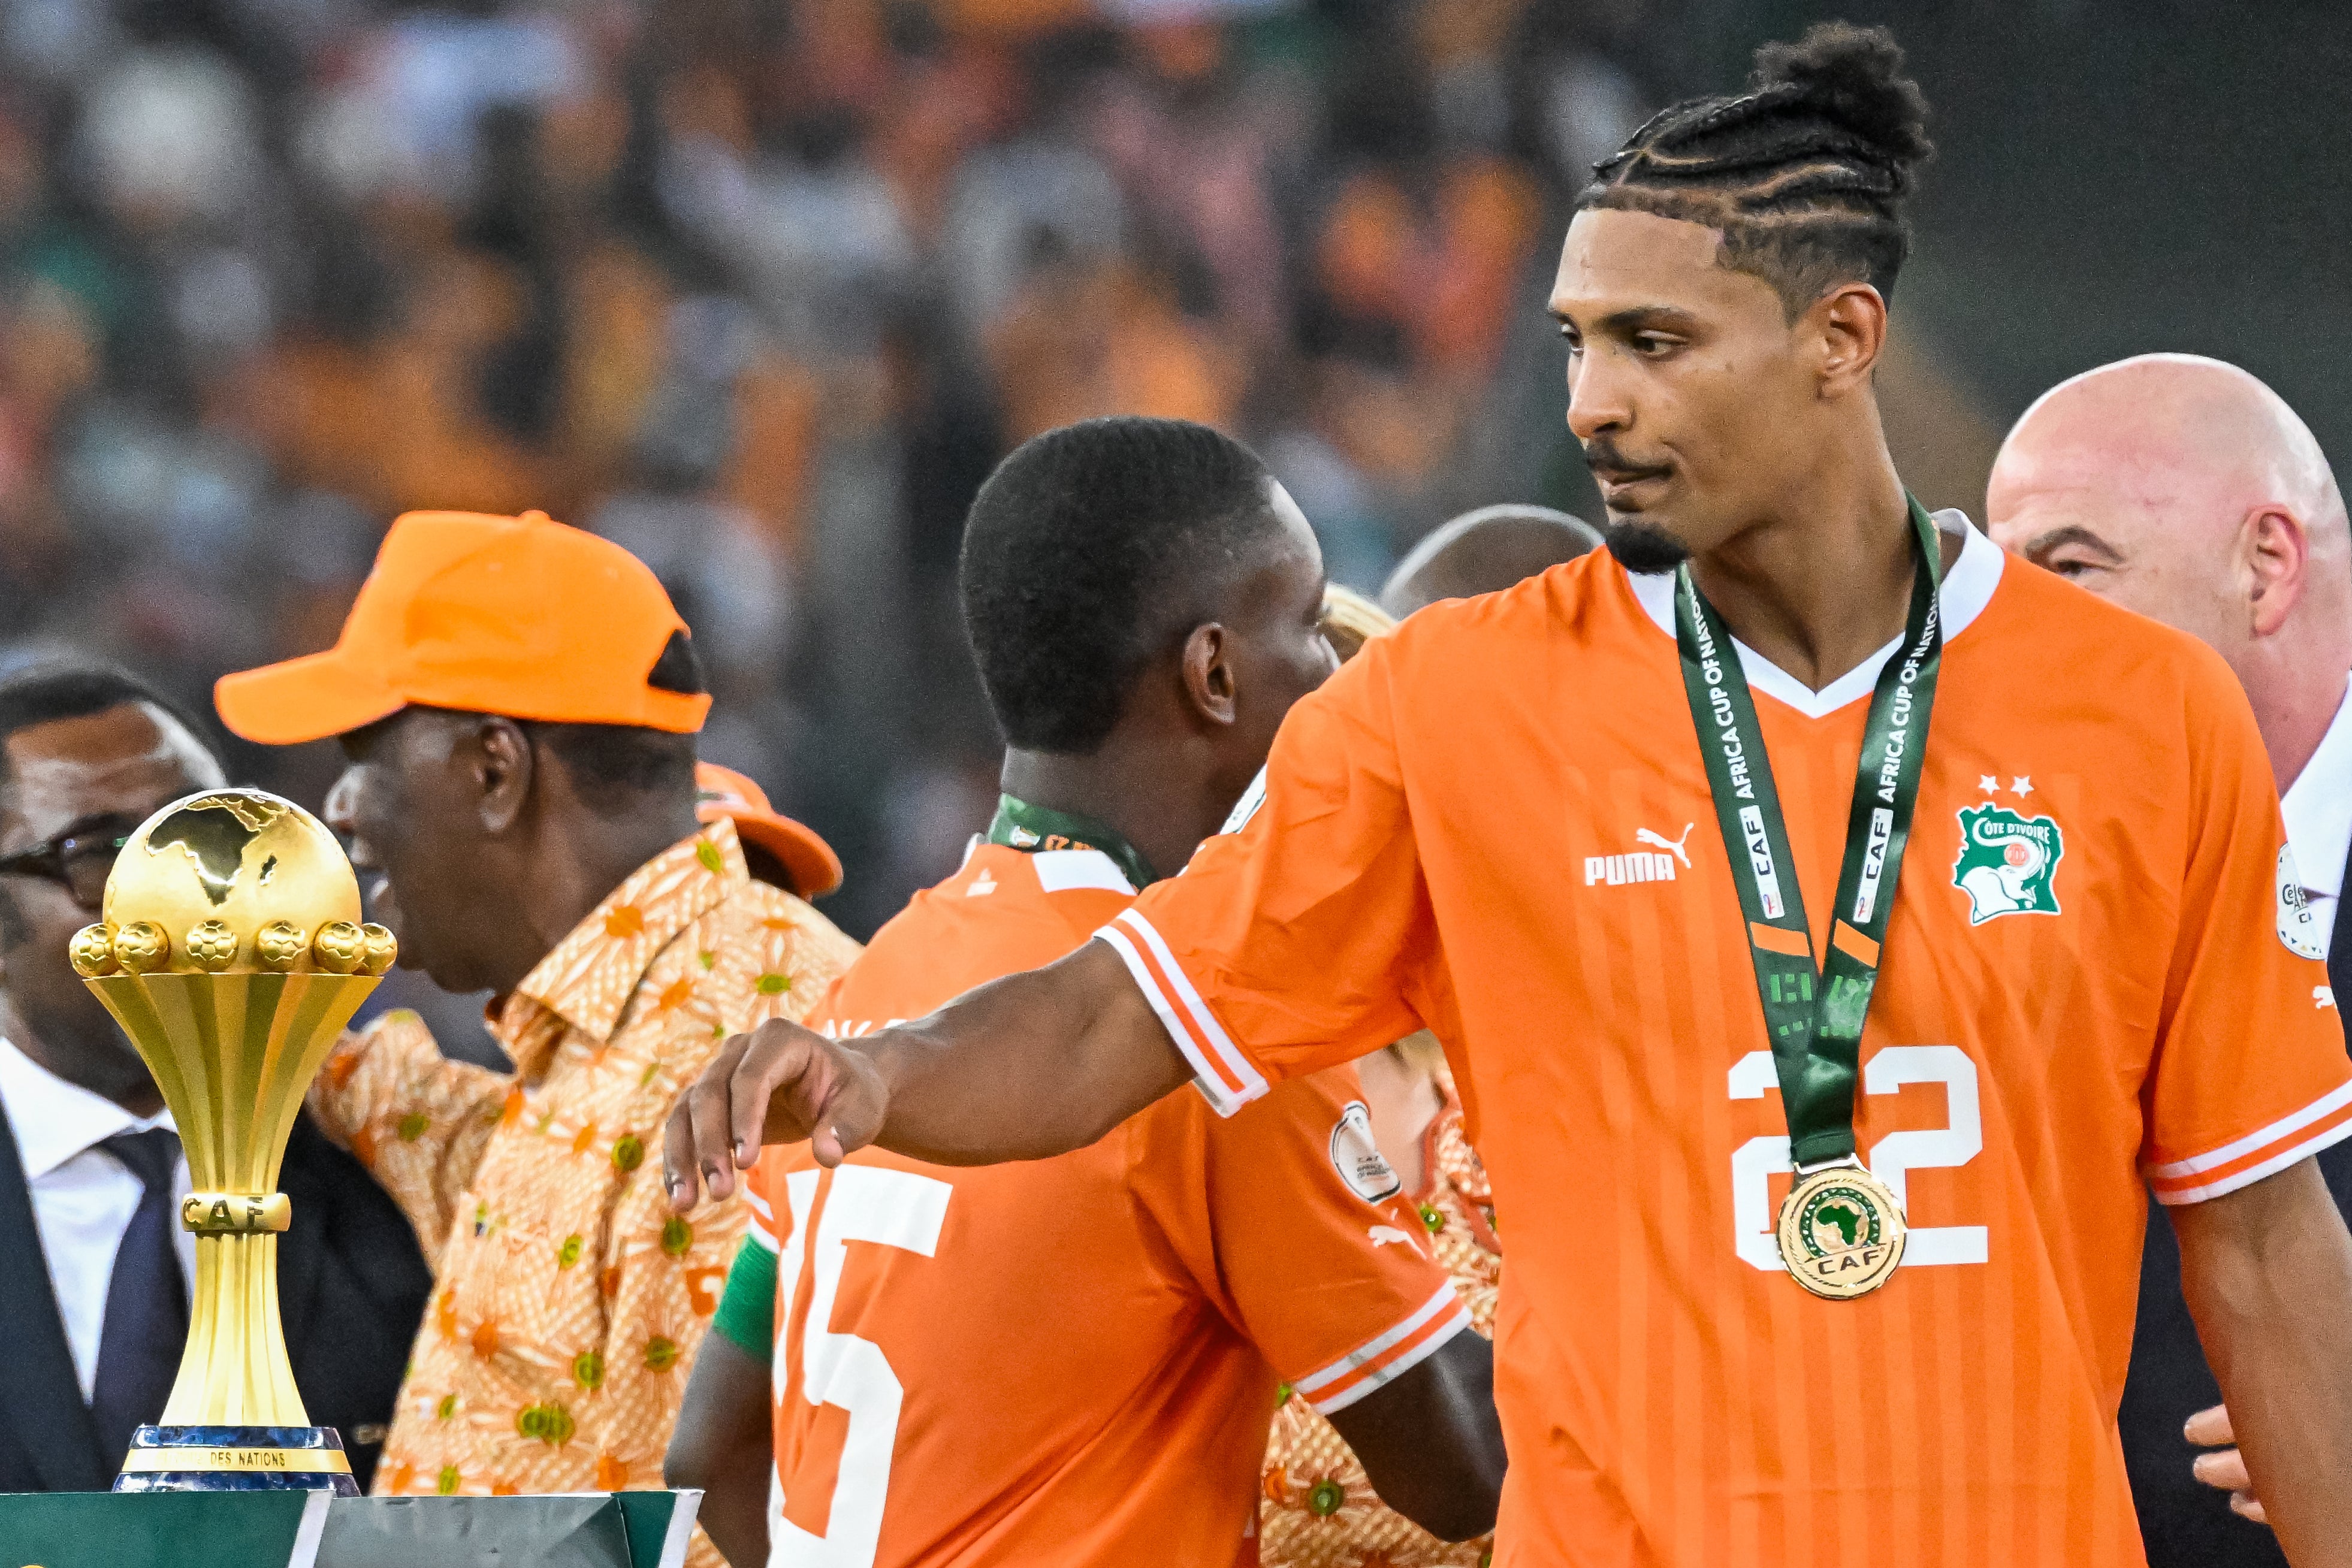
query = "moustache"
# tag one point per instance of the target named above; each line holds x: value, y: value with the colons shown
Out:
x: 1601, y: 455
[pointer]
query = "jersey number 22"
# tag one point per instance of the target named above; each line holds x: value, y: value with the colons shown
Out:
x: 1891, y: 1158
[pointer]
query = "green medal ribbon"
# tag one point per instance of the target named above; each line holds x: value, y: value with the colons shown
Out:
x: 1022, y: 826
x: 1815, y: 1045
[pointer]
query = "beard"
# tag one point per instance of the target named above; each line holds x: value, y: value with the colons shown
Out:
x: 1644, y: 548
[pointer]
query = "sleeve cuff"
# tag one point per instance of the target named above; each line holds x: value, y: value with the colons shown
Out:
x: 2325, y: 1121
x: 1389, y: 1356
x: 1227, y: 1078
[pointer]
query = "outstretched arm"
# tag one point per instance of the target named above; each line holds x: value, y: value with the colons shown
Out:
x: 2268, y: 1273
x: 1023, y: 1068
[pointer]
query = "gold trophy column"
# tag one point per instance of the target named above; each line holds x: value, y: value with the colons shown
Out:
x: 232, y: 955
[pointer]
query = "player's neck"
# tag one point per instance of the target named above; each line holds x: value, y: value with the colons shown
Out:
x: 1825, y: 582
x: 1156, y: 807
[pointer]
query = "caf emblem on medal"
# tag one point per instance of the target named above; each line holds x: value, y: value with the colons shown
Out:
x: 1842, y: 1232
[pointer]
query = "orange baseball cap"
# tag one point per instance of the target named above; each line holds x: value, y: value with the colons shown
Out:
x: 520, y: 616
x: 723, y: 792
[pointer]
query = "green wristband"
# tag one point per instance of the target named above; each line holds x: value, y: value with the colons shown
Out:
x: 747, y: 1312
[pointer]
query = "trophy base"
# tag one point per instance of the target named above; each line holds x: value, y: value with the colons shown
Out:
x: 236, y: 1459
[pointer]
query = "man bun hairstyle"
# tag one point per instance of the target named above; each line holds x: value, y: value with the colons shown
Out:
x: 1092, y: 551
x: 1805, y: 173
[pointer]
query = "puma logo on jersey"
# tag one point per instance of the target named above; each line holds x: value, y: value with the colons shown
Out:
x: 1644, y: 836
x: 1640, y: 865
x: 982, y: 883
x: 1383, y: 1235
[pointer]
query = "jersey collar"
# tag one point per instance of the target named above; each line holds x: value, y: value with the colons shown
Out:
x: 1033, y: 829
x: 1967, y: 589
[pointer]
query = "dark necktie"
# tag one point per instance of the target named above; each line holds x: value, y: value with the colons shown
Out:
x: 2339, y: 946
x: 146, y: 1325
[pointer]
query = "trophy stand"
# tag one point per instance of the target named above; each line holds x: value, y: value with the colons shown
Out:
x: 232, y: 955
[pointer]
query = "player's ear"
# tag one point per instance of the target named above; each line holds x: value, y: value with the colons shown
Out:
x: 1847, y: 327
x: 2274, y: 548
x: 1209, y: 679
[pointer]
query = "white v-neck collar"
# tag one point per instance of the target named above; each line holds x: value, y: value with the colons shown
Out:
x: 1967, y: 589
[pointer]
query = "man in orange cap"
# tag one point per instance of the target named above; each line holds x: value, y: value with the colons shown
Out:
x: 519, y: 700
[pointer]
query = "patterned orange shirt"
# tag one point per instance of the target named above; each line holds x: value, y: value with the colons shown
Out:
x: 569, y: 1299
x: 1319, y: 1510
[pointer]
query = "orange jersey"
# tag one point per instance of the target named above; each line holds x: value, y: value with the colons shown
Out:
x: 2099, y: 971
x: 1070, y: 1361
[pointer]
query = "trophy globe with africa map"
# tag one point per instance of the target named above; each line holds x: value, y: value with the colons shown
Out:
x: 232, y: 954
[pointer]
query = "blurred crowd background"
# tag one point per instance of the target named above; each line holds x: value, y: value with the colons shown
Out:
x: 763, y: 288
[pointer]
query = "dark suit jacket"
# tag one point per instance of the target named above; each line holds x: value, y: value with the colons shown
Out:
x: 2186, y: 1524
x: 352, y: 1286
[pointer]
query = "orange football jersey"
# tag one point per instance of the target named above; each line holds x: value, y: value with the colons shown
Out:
x: 2099, y: 971
x: 1070, y: 1361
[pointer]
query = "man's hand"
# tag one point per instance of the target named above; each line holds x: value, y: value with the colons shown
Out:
x: 2267, y: 1270
x: 779, y: 1084
x: 2225, y: 1470
x: 1023, y: 1068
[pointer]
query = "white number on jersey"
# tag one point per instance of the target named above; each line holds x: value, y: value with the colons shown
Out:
x: 1892, y: 1159
x: 885, y: 1209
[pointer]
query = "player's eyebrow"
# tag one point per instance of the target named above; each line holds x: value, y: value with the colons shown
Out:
x: 2041, y: 545
x: 1633, y: 317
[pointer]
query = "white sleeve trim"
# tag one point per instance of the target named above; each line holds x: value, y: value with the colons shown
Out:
x: 1382, y: 1359
x: 2279, y: 1129
x: 2224, y: 1187
x: 1227, y: 1078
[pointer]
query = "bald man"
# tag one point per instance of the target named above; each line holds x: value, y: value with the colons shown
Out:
x: 1483, y: 551
x: 2185, y: 489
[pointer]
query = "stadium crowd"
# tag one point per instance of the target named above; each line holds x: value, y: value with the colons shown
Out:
x: 760, y: 291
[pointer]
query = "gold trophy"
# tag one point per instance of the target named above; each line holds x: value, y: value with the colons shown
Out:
x: 232, y: 955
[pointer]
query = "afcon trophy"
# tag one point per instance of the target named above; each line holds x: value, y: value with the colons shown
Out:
x: 232, y: 955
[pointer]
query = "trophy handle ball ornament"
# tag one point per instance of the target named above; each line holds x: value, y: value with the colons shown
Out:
x: 232, y: 954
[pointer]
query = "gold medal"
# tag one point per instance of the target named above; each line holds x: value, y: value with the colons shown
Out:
x: 1842, y: 1232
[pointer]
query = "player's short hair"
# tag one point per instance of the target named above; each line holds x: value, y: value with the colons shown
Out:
x: 51, y: 689
x: 1805, y: 173
x: 1090, y: 551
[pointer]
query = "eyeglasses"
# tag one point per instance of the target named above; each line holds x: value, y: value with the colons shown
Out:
x: 82, y: 862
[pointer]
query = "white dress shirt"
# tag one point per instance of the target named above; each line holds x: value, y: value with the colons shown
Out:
x: 83, y: 1198
x: 2319, y: 811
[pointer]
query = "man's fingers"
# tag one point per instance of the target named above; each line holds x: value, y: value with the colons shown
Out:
x: 682, y: 1142
x: 2245, y: 1505
x: 853, y: 1114
x: 2210, y: 1428
x: 707, y: 1106
x: 2223, y: 1471
x: 778, y: 1084
x: 778, y: 1061
x: 678, y: 1156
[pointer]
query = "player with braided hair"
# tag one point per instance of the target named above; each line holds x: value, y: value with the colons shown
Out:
x: 1825, y: 987
x: 1803, y: 174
